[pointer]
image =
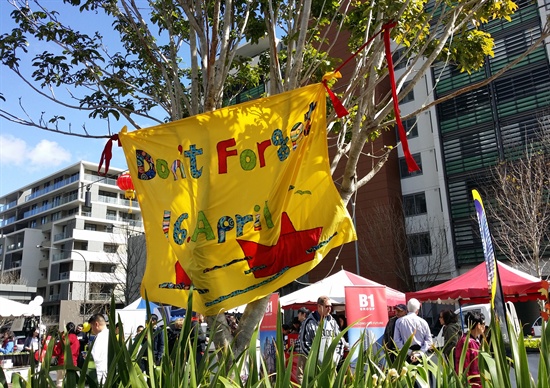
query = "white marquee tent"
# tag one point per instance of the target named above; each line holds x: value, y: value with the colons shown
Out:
x: 334, y: 287
x: 11, y: 308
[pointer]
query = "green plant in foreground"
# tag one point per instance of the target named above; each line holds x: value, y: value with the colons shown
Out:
x: 364, y: 366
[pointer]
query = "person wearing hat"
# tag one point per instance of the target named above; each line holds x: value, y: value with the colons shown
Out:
x: 303, y: 313
x: 389, y: 344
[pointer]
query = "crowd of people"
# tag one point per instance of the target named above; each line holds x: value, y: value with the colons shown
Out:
x: 406, y: 327
x: 407, y: 324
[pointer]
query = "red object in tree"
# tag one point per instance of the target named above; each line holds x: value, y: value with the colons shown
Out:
x: 124, y: 182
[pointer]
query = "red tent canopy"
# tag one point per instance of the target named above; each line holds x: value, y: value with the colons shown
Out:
x: 471, y: 287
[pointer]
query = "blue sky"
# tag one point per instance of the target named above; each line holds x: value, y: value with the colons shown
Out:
x: 28, y: 154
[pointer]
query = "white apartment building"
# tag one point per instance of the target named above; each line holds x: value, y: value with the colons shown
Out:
x: 72, y: 253
x: 457, y: 142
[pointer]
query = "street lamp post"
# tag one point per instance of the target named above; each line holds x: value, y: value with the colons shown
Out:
x: 85, y: 273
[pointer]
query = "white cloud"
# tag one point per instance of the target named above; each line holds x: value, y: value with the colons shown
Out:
x: 46, y: 154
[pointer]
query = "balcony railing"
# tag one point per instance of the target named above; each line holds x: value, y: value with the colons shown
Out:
x: 14, y: 246
x: 8, y: 206
x: 61, y: 236
x: 8, y: 221
x: 118, y: 201
x: 60, y: 256
x: 98, y: 179
x: 51, y: 205
x: 54, y: 297
x: 53, y: 187
x: 100, y: 296
x: 64, y: 275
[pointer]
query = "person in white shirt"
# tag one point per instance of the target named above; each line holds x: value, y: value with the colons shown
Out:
x: 100, y: 346
x: 415, y: 326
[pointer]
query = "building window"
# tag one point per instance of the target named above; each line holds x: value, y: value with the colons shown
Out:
x: 110, y: 248
x: 32, y: 224
x: 410, y: 96
x: 414, y: 204
x: 411, y: 129
x: 419, y: 244
x: 404, y: 171
x: 90, y: 227
x: 44, y: 220
x: 398, y: 55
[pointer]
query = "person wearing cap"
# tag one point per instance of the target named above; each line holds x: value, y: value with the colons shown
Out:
x: 411, y: 325
x: 389, y: 344
x: 303, y: 313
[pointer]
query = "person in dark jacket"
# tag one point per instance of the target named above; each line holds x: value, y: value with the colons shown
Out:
x: 330, y: 331
x: 389, y: 344
x: 198, y: 333
x: 451, y: 331
x: 158, y: 339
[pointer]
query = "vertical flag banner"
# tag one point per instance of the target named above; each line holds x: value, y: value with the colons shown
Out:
x: 268, y: 333
x: 366, y: 311
x: 236, y: 202
x: 495, y: 288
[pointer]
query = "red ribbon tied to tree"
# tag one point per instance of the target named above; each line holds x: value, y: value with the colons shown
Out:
x: 411, y: 163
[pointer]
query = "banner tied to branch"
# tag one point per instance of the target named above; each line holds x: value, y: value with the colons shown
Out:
x: 237, y: 202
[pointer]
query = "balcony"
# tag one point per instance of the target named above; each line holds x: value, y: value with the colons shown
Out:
x: 42, y: 283
x: 61, y: 256
x: 100, y: 296
x: 54, y: 297
x: 53, y: 187
x: 49, y: 206
x: 61, y: 236
x: 8, y: 206
x: 14, y: 246
x: 64, y: 275
x: 98, y: 179
x: 42, y: 264
x: 8, y: 221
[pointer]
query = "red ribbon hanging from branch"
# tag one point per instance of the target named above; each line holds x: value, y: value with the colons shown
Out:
x: 411, y: 163
x: 107, y: 155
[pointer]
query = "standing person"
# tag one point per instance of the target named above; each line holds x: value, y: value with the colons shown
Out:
x: 32, y: 342
x: 82, y: 342
x: 476, y: 325
x: 303, y: 313
x: 451, y: 331
x: 329, y: 332
x: 8, y: 344
x: 389, y: 344
x: 158, y: 339
x: 100, y: 345
x: 59, y: 350
x: 198, y: 333
x: 415, y: 326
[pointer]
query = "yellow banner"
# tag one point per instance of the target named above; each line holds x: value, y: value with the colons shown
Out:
x: 237, y: 202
